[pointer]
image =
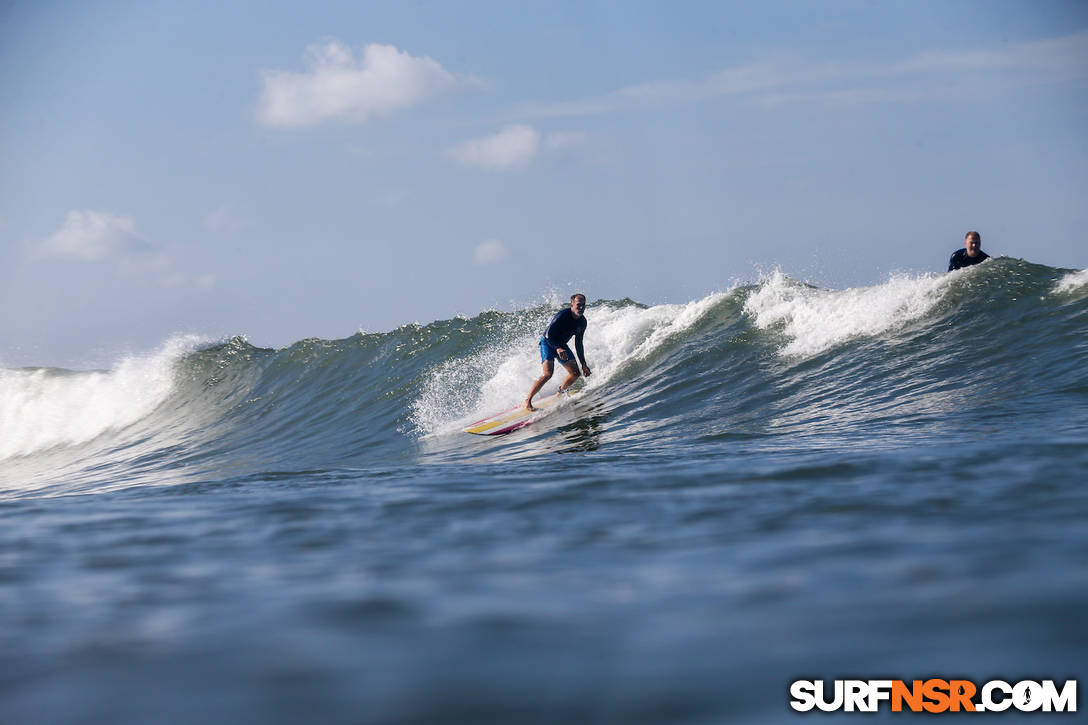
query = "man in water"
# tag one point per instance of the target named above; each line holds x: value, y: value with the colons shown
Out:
x: 970, y: 254
x: 567, y: 322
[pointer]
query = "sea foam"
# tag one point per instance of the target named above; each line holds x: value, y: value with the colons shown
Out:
x: 1072, y: 281
x: 43, y: 408
x: 816, y: 319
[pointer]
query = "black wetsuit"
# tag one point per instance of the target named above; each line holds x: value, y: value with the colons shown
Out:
x: 562, y: 326
x: 960, y: 259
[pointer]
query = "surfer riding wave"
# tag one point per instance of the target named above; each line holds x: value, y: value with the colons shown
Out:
x: 567, y: 322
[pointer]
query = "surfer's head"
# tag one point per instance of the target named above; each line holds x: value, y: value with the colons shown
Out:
x: 577, y: 304
x: 972, y: 242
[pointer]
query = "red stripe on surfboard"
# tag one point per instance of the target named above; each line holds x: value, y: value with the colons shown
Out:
x: 511, y: 428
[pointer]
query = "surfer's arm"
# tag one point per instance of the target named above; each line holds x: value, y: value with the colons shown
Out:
x: 581, y: 351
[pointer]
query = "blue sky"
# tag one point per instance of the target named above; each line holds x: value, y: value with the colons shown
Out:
x: 293, y: 171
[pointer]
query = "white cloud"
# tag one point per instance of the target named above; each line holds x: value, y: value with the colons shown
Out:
x: 338, y: 86
x: 1046, y: 61
x: 511, y: 148
x: 93, y: 235
x: 1066, y: 55
x: 489, y: 252
x: 221, y: 220
x: 97, y: 236
x: 742, y: 80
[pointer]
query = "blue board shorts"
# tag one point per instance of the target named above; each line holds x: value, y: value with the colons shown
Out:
x: 549, y: 351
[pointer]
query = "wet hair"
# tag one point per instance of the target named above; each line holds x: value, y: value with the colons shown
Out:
x: 972, y: 233
x: 576, y: 295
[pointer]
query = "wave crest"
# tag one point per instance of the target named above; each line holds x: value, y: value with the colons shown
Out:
x: 819, y: 319
x: 1072, y: 282
x: 43, y: 408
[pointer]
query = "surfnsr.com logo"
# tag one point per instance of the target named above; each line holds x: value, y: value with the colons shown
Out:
x: 933, y: 695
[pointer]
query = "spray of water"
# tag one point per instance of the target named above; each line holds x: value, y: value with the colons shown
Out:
x: 43, y: 408
x: 816, y: 320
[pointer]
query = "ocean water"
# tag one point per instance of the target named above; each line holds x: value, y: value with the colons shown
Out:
x: 773, y: 482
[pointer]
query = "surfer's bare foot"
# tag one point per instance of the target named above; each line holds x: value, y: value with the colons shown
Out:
x: 529, y: 405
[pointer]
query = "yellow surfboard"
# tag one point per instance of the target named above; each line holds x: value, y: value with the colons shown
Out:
x: 510, y: 420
